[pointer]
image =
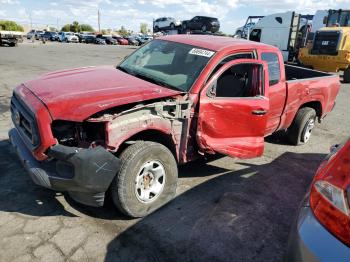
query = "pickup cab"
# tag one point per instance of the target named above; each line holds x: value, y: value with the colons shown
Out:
x: 125, y: 129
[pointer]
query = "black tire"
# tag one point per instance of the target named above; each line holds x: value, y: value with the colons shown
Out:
x: 346, y: 76
x: 297, y: 131
x: 123, y: 188
x: 238, y: 34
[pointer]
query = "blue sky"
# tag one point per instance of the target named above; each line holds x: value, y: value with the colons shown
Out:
x: 114, y: 14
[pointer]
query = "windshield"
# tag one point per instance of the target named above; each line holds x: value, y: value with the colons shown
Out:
x: 169, y: 64
x: 338, y: 18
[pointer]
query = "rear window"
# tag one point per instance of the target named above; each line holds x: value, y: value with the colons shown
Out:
x: 273, y: 67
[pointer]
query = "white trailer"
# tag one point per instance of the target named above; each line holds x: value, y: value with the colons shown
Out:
x: 287, y: 31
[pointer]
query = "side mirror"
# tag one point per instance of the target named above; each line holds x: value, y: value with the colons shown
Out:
x: 333, y: 148
x: 212, y: 90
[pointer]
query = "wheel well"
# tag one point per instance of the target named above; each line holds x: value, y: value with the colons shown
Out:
x: 316, y: 105
x: 151, y: 135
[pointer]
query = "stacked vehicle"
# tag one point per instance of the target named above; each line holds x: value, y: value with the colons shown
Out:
x: 10, y: 38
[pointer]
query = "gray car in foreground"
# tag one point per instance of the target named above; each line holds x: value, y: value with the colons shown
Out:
x: 322, y: 229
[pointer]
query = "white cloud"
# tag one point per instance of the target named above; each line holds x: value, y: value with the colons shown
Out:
x: 10, y: 2
x: 131, y: 13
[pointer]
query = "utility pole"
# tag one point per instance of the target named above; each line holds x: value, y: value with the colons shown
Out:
x: 57, y: 24
x: 98, y: 20
x: 31, y: 21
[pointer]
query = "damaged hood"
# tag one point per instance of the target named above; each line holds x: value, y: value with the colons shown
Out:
x: 79, y: 93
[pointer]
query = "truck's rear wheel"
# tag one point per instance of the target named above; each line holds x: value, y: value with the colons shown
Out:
x: 147, y: 179
x: 302, y: 126
x: 346, y: 76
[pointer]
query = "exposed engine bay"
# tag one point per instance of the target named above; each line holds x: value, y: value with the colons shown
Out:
x: 112, y: 127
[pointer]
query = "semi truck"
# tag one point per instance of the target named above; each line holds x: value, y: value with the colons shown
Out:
x: 288, y: 31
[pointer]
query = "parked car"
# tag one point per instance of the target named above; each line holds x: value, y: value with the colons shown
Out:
x: 322, y: 229
x: 31, y: 34
x: 202, y: 23
x: 100, y: 41
x: 165, y: 23
x: 38, y: 35
x: 125, y: 129
x: 132, y: 40
x: 89, y: 39
x: 121, y: 40
x: 242, y: 32
x: 52, y: 36
x: 108, y: 39
x: 140, y: 40
x: 68, y: 37
x: 80, y: 37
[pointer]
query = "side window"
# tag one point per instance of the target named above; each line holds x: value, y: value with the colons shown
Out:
x: 242, y: 80
x: 273, y: 67
x: 249, y: 55
x: 255, y: 35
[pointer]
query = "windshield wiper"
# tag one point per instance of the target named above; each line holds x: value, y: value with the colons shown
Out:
x: 124, y: 70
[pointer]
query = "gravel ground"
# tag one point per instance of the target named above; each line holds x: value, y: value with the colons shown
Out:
x: 226, y: 209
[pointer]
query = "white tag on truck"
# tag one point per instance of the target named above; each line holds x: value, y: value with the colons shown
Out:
x: 201, y: 52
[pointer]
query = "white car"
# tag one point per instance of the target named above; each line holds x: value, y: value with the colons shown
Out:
x: 165, y: 23
x: 68, y: 37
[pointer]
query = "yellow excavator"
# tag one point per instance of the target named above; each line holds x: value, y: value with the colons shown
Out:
x: 330, y: 49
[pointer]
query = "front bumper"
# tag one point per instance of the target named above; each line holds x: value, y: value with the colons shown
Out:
x: 85, y: 173
x: 310, y: 241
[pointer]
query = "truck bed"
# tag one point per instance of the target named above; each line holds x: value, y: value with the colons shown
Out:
x: 296, y: 73
x: 308, y: 86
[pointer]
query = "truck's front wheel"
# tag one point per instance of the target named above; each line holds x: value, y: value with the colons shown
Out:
x: 147, y: 179
x: 302, y: 126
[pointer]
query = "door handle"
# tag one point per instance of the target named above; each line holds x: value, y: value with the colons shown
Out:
x: 259, y: 112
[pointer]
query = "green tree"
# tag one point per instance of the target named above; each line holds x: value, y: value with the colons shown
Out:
x: 75, y: 27
x: 86, y: 28
x: 123, y: 32
x: 143, y: 28
x: 10, y: 26
x: 66, y: 28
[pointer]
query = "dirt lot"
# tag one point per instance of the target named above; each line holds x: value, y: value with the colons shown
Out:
x: 226, y: 209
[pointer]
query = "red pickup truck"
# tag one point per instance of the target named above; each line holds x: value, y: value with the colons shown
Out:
x: 125, y: 129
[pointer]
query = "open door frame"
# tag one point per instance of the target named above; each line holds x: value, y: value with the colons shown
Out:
x: 233, y: 126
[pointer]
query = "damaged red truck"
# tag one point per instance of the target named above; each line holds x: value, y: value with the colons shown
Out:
x: 125, y: 129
